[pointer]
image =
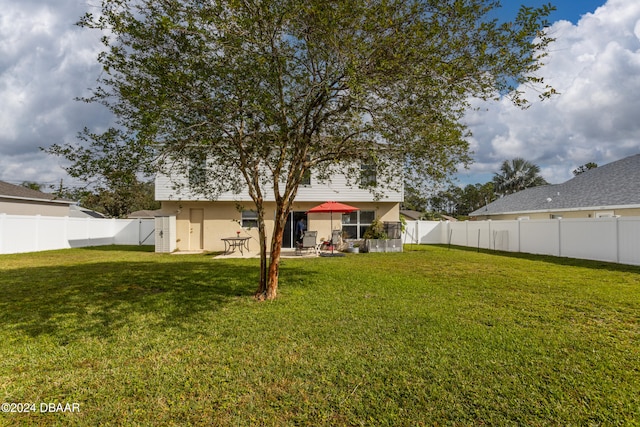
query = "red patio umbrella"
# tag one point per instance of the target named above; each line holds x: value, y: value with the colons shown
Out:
x: 331, y: 207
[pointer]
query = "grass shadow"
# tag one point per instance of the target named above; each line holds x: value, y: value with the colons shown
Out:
x: 96, y: 299
x: 565, y: 261
x: 121, y: 248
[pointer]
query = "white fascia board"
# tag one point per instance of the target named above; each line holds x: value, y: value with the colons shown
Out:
x: 579, y: 209
x: 33, y: 199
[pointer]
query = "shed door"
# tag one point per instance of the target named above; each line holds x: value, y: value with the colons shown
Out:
x: 196, y: 226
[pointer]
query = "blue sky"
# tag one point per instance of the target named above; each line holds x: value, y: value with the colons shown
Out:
x: 570, y: 10
x: 595, y: 65
x: 46, y: 62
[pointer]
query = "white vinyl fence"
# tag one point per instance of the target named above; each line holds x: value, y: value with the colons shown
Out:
x: 601, y: 239
x: 21, y: 233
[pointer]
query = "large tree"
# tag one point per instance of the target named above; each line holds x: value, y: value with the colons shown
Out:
x: 114, y: 173
x: 264, y: 91
x: 475, y: 196
x: 516, y: 175
x: 461, y: 201
x: 117, y: 202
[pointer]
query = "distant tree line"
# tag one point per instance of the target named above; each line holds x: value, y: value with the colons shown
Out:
x: 116, y: 201
x: 455, y: 201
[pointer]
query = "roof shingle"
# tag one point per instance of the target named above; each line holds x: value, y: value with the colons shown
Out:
x: 614, y: 184
x: 20, y: 192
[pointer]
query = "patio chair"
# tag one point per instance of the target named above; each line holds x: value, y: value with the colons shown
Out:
x: 336, y: 237
x: 308, y: 242
x: 333, y: 244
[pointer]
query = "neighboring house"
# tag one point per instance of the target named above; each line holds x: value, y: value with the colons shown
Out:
x: 201, y: 223
x: 145, y: 214
x: 606, y: 191
x: 18, y: 200
x: 411, y: 215
x: 76, y: 211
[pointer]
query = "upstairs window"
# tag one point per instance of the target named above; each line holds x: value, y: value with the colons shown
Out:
x: 249, y: 219
x: 368, y: 174
x: 197, y: 170
x: 306, y: 179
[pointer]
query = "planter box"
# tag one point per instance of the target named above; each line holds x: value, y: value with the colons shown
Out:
x: 386, y: 245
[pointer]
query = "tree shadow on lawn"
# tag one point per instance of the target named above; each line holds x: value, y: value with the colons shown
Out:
x: 570, y: 262
x: 120, y: 248
x: 97, y: 299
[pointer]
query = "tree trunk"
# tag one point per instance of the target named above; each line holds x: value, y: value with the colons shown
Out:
x: 262, y: 232
x: 271, y: 290
x: 274, y: 266
x: 262, y: 287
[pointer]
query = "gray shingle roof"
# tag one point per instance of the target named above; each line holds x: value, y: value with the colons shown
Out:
x: 19, y: 192
x: 614, y: 184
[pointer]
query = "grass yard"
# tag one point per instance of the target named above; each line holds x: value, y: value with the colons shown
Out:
x: 430, y: 336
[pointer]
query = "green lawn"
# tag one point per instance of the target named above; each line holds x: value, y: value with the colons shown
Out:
x: 431, y: 336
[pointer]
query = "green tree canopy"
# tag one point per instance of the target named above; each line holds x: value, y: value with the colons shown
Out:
x: 516, y: 175
x: 32, y: 185
x: 274, y: 89
x: 461, y: 201
x: 112, y: 202
x: 114, y: 170
x: 475, y: 196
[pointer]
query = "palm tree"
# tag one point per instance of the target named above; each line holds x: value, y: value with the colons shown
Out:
x: 516, y: 175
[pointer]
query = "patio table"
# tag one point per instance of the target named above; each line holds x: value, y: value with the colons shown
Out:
x: 233, y: 243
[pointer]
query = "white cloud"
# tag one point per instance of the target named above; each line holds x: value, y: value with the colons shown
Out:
x: 46, y: 61
x: 595, y: 65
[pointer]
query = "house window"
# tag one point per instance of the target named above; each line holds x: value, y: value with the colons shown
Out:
x: 368, y: 174
x: 356, y: 223
x: 197, y: 170
x: 306, y: 179
x: 249, y: 219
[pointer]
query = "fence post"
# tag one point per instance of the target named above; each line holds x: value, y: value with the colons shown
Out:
x: 2, y: 223
x: 618, y: 240
x: 466, y: 233
x: 494, y: 237
x: 66, y: 231
x: 559, y: 237
x: 36, y: 239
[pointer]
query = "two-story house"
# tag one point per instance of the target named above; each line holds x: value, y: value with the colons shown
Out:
x: 200, y: 224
